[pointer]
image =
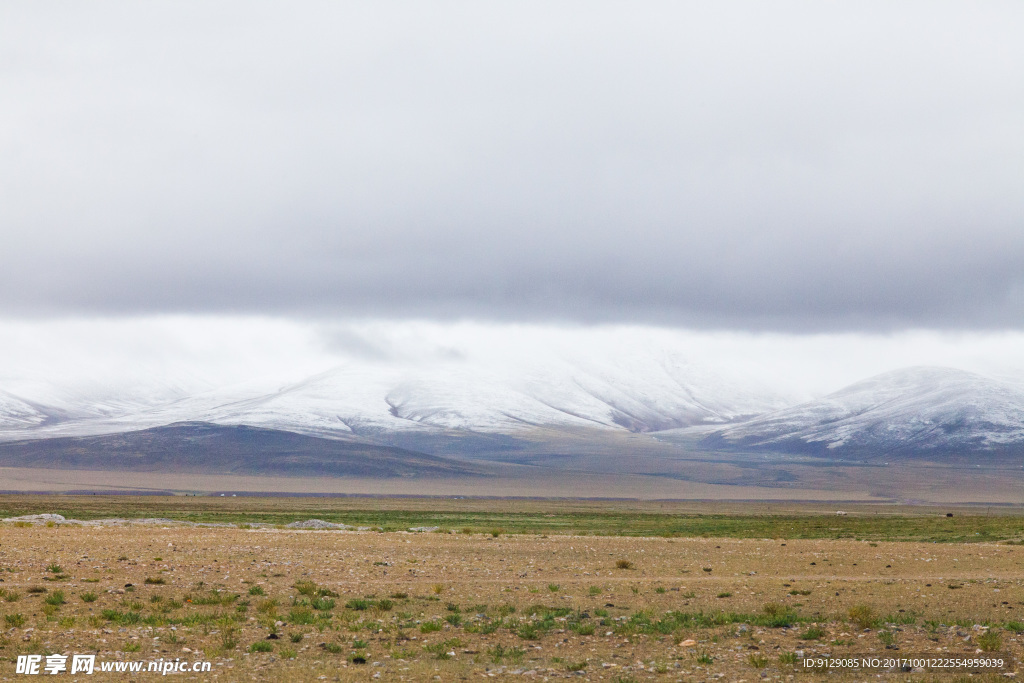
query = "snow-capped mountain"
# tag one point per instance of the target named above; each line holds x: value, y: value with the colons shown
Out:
x: 921, y: 409
x: 406, y: 385
x: 492, y: 399
x: 632, y: 390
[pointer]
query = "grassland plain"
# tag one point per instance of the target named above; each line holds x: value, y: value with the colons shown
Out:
x: 507, y: 589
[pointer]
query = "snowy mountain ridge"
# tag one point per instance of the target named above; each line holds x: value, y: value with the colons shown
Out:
x: 638, y: 393
x: 913, y: 409
x: 918, y: 409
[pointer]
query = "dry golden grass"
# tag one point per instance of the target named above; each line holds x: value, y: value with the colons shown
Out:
x: 416, y: 606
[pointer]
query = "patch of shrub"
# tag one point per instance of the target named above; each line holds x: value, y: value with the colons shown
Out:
x: 887, y: 638
x: 430, y: 626
x: 813, y: 633
x: 121, y: 618
x: 323, y: 604
x: 301, y: 616
x: 581, y: 629
x: 862, y: 615
x: 990, y: 641
x: 499, y: 653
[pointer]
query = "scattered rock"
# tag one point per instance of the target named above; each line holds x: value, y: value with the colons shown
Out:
x: 316, y: 524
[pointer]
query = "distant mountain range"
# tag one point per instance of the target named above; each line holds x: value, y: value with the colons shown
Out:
x: 398, y: 422
x: 635, y: 394
x: 912, y: 412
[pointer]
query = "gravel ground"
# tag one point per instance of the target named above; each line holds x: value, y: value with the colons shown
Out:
x: 264, y: 603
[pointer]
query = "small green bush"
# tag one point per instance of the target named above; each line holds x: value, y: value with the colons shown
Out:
x: 990, y: 641
x: 301, y: 616
x: 430, y: 626
x: 813, y: 633
x: 323, y: 604
x: 862, y: 615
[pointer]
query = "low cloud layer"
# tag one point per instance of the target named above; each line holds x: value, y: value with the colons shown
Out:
x: 166, y: 356
x: 791, y: 166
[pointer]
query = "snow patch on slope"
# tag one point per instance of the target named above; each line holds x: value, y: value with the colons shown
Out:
x: 17, y: 414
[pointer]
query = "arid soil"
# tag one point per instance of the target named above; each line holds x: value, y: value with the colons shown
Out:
x: 286, y: 605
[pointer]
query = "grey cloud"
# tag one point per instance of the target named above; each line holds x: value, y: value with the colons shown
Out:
x: 786, y: 165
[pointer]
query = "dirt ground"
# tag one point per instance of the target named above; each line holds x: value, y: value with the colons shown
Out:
x: 283, y: 605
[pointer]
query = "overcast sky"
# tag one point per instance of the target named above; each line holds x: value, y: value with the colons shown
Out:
x: 782, y: 166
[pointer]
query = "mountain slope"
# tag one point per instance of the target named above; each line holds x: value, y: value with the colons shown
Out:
x: 920, y: 410
x: 217, y: 449
x: 633, y: 389
x: 18, y: 414
x: 634, y: 395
